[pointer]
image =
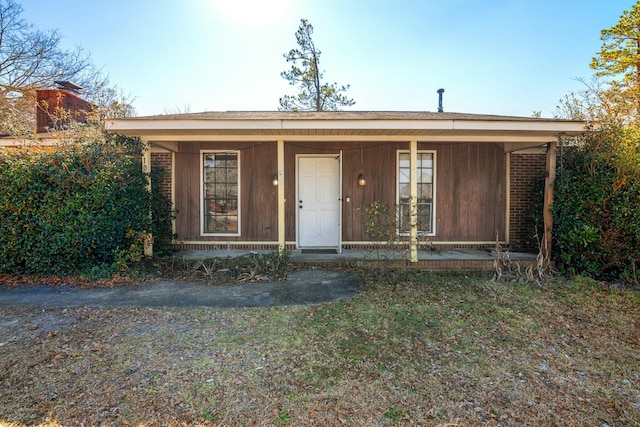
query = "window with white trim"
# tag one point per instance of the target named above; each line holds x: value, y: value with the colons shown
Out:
x: 221, y: 193
x: 426, y: 192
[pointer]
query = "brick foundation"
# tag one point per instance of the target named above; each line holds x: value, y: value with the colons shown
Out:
x: 179, y: 246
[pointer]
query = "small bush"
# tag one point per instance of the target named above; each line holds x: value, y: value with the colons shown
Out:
x: 253, y: 267
x: 381, y: 225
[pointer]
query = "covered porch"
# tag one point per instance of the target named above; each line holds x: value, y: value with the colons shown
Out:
x: 456, y: 177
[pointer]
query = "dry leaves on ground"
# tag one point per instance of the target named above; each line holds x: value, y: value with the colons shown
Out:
x: 428, y: 350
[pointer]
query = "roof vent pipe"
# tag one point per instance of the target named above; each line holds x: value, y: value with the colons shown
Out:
x: 440, y: 92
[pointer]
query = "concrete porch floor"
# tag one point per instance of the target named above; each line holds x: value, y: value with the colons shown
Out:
x: 442, y: 260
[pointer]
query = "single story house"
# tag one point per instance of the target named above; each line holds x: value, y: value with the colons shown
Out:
x: 269, y: 180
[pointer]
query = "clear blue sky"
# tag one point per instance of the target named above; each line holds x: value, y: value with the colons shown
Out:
x: 509, y: 57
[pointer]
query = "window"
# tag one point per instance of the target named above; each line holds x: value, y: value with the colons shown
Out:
x: 220, y: 193
x: 426, y: 173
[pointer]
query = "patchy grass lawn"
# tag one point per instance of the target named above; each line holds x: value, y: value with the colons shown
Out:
x: 412, y: 349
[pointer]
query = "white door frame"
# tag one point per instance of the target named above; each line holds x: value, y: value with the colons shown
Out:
x: 337, y: 156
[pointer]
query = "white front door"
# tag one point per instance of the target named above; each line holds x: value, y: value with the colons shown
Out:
x: 318, y: 201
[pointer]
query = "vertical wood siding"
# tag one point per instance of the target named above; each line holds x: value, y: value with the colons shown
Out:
x: 258, y: 196
x: 471, y: 199
x: 470, y: 187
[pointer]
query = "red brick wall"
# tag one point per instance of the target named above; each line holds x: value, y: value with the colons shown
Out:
x: 525, y: 170
x: 163, y: 160
x: 49, y: 100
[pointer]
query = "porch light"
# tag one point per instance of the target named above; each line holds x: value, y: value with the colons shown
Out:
x: 274, y: 180
x: 362, y: 181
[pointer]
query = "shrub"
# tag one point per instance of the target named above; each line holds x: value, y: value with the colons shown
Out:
x: 380, y: 224
x: 596, y: 214
x: 252, y: 267
x: 75, y: 210
x: 162, y: 214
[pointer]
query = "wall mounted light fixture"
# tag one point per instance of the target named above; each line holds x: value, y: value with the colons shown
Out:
x: 274, y: 180
x: 362, y: 181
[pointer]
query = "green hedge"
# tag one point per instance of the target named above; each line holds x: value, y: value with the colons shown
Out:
x: 77, y: 210
x: 597, y: 205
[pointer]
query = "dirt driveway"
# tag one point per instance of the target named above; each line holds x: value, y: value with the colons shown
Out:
x: 42, y: 309
x: 300, y: 288
x: 144, y: 352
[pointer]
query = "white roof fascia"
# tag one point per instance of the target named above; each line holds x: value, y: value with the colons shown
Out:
x: 521, y: 139
x: 537, y: 126
x: 468, y: 125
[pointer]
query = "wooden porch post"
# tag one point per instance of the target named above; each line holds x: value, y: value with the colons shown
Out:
x: 281, y: 199
x: 548, y: 201
x: 413, y: 201
x: 146, y: 169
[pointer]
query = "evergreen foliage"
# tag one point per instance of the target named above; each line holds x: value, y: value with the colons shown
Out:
x: 596, y: 207
x: 78, y: 210
x: 620, y: 51
x: 597, y: 191
x: 619, y: 62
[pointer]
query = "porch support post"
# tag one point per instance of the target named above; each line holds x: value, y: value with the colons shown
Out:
x: 146, y: 169
x: 281, y: 199
x: 413, y: 201
x: 548, y: 201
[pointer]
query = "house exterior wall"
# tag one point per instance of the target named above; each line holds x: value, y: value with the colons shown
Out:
x: 526, y: 200
x: 50, y: 100
x: 258, y: 196
x: 471, y: 192
x: 470, y: 188
x: 164, y: 161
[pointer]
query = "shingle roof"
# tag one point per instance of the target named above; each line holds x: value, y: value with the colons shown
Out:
x: 338, y: 115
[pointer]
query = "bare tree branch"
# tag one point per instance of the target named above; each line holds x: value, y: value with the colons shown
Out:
x: 32, y: 59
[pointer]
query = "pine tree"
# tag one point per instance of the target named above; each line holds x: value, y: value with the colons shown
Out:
x: 619, y: 60
x: 305, y: 73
